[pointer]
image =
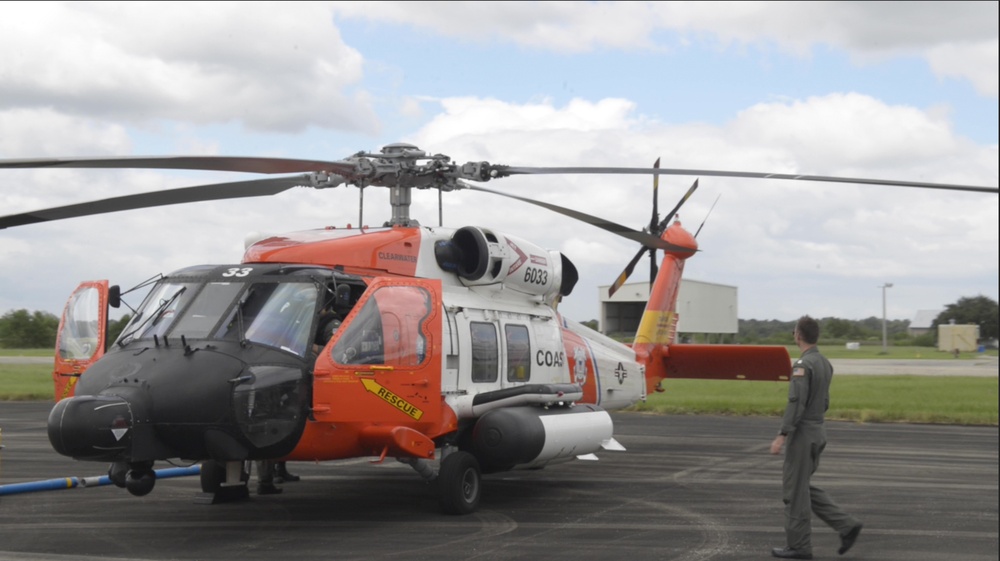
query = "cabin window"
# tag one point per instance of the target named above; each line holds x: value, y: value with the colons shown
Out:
x: 388, y: 329
x: 485, y: 352
x: 518, y: 353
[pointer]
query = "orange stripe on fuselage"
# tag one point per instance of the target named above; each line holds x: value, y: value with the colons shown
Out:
x: 394, y: 250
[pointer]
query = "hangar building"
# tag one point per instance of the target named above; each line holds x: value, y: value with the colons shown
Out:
x: 702, y: 307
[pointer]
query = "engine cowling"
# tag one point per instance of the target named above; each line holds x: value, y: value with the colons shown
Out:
x: 530, y: 437
x: 480, y: 256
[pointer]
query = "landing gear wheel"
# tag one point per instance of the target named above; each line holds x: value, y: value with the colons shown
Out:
x: 459, y: 483
x: 140, y: 481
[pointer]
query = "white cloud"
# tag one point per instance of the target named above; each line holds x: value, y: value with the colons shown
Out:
x: 957, y: 39
x: 275, y: 67
x: 976, y: 61
x: 43, y: 132
x: 560, y: 26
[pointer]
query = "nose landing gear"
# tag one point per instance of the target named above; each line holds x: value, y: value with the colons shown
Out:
x: 139, y: 477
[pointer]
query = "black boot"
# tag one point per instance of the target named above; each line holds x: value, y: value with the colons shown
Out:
x: 268, y: 488
x: 283, y: 476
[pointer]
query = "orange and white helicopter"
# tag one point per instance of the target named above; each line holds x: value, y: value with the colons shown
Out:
x: 439, y: 347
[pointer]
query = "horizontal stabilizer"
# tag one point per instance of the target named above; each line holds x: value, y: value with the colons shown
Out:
x: 727, y: 362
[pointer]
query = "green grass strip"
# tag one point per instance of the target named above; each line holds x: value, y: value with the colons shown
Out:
x: 26, y: 382
x: 913, y: 399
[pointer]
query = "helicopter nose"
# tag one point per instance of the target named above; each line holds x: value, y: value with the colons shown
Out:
x: 93, y: 427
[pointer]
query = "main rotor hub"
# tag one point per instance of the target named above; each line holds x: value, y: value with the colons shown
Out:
x: 402, y: 167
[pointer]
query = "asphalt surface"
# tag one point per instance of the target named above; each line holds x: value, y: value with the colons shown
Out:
x: 688, y: 488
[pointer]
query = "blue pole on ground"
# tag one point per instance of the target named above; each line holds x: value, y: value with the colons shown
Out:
x: 73, y: 482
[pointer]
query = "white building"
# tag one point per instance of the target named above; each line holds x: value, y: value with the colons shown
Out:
x: 702, y: 307
x: 921, y: 323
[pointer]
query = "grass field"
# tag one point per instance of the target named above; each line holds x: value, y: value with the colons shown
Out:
x: 916, y: 399
x: 913, y: 399
x: 26, y: 352
x: 26, y: 382
x: 875, y: 351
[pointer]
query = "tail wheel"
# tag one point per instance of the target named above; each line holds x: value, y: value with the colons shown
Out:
x: 459, y: 483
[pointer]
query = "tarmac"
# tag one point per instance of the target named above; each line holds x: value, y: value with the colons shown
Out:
x: 689, y: 488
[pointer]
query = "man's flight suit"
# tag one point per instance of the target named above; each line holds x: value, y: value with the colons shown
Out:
x: 808, y: 400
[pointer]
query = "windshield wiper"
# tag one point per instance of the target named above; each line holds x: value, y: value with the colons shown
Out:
x: 127, y: 338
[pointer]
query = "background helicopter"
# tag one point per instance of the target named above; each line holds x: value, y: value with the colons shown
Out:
x: 407, y: 341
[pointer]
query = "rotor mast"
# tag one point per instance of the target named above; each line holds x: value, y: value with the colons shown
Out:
x: 402, y: 167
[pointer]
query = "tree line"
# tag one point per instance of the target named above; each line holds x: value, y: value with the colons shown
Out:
x: 22, y: 329
x: 975, y: 310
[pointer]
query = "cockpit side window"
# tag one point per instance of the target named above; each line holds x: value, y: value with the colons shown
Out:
x: 284, y: 319
x: 81, y: 329
x: 388, y: 329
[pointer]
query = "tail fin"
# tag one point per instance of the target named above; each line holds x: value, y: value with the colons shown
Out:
x: 655, y: 344
x: 659, y: 320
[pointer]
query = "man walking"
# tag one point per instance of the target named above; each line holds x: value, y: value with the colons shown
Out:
x: 803, y: 431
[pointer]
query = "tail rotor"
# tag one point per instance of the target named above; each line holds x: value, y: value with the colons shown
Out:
x: 656, y: 228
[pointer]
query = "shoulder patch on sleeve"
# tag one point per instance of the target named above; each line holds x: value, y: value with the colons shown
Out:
x: 798, y: 371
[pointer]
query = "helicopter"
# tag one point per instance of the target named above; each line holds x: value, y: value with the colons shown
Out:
x: 438, y: 347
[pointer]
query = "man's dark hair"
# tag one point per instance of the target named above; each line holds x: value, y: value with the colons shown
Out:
x: 808, y: 329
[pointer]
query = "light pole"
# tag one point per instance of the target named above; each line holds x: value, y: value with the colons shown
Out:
x: 885, y: 344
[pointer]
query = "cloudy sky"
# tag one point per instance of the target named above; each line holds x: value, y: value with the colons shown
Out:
x: 889, y: 90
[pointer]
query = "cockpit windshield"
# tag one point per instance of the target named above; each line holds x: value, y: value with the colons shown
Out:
x: 277, y: 314
x: 158, y: 311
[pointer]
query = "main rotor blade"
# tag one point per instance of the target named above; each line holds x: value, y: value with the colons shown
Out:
x: 212, y: 192
x: 503, y: 171
x: 634, y: 235
x: 213, y: 163
x: 623, y: 276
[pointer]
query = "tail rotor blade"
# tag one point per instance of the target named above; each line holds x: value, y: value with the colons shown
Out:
x: 706, y: 217
x: 656, y: 198
x: 620, y: 281
x: 666, y: 219
x: 653, y: 269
